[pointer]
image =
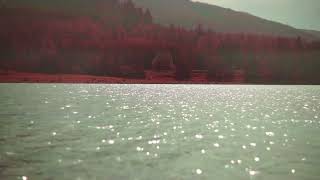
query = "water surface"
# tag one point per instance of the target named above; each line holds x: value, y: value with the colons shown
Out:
x: 62, y: 131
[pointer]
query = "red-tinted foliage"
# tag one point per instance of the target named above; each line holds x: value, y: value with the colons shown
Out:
x: 124, y: 42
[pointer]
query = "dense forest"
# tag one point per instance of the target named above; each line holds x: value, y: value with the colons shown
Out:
x: 125, y: 40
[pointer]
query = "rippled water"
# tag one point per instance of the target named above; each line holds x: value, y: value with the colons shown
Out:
x: 174, y: 132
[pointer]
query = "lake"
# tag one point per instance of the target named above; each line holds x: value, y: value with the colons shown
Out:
x: 174, y: 132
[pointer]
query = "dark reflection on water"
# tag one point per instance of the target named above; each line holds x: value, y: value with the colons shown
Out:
x: 51, y: 131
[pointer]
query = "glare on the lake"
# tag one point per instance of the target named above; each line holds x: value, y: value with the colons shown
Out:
x: 139, y: 149
x: 198, y: 136
x: 253, y: 173
x: 270, y: 133
x: 199, y: 171
x: 161, y: 131
x: 111, y: 141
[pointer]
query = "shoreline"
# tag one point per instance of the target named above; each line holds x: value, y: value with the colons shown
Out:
x: 20, y: 77
x: 17, y: 77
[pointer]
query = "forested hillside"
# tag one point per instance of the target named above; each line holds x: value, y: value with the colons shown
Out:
x: 124, y: 40
x: 188, y: 14
x: 183, y: 13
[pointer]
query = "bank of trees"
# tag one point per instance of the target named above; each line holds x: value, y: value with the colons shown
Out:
x: 123, y: 40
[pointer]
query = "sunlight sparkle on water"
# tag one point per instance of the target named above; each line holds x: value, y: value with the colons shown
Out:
x: 199, y: 171
x: 198, y: 136
x: 104, y: 131
x: 216, y: 145
x: 256, y: 159
x: 253, y: 173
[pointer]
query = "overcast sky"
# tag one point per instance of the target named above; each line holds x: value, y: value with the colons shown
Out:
x: 303, y: 14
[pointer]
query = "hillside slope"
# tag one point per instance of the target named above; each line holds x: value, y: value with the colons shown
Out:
x: 183, y: 13
x: 188, y: 14
x: 313, y: 32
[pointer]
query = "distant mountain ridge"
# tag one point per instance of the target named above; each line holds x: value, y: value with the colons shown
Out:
x: 183, y: 13
x: 188, y: 14
x: 313, y: 32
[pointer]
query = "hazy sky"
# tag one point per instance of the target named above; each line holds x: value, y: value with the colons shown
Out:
x: 297, y: 13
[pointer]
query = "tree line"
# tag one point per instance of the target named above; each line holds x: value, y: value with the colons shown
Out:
x: 122, y: 40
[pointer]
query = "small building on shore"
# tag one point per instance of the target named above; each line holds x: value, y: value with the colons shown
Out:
x: 163, y: 67
x: 163, y: 61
